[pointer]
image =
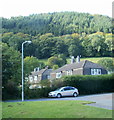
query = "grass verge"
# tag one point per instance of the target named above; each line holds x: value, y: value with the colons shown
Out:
x: 53, y: 109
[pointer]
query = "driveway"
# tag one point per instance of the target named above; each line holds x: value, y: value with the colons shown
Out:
x: 99, y: 100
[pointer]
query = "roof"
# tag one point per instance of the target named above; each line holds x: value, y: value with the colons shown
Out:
x: 89, y: 64
x: 71, y: 66
x: 40, y: 72
x: 81, y: 64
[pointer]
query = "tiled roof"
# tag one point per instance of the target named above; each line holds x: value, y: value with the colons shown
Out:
x: 40, y: 72
x: 81, y: 64
x: 89, y: 64
x: 71, y: 66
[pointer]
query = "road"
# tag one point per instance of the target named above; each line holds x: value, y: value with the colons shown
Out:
x: 100, y: 100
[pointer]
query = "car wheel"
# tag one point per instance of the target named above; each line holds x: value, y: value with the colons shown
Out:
x: 75, y: 94
x: 59, y: 95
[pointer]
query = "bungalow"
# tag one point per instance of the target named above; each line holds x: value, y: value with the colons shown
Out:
x: 78, y: 68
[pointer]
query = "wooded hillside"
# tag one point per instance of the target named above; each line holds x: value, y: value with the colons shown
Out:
x: 58, y: 23
x: 68, y: 33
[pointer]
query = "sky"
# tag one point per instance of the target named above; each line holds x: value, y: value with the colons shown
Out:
x: 12, y: 8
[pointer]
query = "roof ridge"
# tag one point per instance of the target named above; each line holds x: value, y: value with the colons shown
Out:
x: 84, y: 63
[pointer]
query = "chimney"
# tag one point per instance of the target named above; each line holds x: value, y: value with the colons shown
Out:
x: 78, y: 59
x: 46, y: 67
x: 72, y: 59
x: 36, y: 69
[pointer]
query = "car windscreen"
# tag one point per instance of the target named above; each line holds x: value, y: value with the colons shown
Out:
x: 58, y: 89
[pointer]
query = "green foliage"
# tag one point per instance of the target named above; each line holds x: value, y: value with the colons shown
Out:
x: 58, y: 23
x: 75, y: 47
x: 47, y: 45
x: 11, y: 71
x: 55, y: 67
x: 45, y: 83
x: 30, y: 63
x: 11, y: 64
x: 56, y: 60
x: 10, y: 91
x: 37, y: 93
x: 107, y: 63
x: 87, y: 84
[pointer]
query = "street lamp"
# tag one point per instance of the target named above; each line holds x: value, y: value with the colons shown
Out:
x: 22, y: 70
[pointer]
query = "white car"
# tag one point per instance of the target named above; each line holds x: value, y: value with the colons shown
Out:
x: 64, y: 91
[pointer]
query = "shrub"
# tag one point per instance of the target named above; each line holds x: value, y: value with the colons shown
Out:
x: 37, y: 93
x: 107, y: 63
x: 88, y: 84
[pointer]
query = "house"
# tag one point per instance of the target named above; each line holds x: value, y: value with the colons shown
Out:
x: 79, y: 68
x: 38, y: 75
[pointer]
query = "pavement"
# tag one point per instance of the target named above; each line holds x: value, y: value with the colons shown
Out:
x: 98, y: 100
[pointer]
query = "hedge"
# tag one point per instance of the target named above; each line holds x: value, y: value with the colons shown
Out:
x: 88, y: 84
x: 37, y: 93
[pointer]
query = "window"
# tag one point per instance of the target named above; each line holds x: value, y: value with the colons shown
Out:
x: 69, y: 72
x: 35, y: 79
x: 95, y: 71
x: 47, y: 76
x: 31, y: 79
x: 72, y: 88
x: 58, y: 75
x: 67, y: 88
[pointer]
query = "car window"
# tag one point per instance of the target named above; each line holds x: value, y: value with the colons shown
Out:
x: 72, y: 88
x: 67, y: 88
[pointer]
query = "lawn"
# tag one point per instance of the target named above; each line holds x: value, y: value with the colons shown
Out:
x: 53, y: 109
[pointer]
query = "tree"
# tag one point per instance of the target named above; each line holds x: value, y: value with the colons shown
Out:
x: 75, y: 45
x: 107, y: 63
x: 17, y: 39
x: 58, y: 23
x: 30, y: 63
x: 11, y: 71
x: 55, y: 67
x: 52, y: 61
x: 11, y: 64
x: 109, y: 40
x: 98, y: 43
x: 59, y: 47
x: 6, y: 37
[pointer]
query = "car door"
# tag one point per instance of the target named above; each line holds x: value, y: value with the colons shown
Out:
x: 71, y: 91
x: 66, y: 91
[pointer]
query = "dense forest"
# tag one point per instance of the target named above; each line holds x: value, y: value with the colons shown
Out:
x: 58, y: 23
x: 68, y: 33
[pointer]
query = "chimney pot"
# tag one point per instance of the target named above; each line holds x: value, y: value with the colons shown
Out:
x: 78, y: 59
x: 72, y: 59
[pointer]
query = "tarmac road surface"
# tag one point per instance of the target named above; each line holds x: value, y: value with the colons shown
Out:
x: 99, y: 100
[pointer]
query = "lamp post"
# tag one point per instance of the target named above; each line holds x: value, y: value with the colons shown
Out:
x: 22, y: 70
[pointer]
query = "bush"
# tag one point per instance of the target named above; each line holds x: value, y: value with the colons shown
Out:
x: 37, y: 93
x: 88, y: 84
x: 107, y: 63
x: 10, y: 91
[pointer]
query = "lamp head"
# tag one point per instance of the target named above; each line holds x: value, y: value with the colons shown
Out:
x: 29, y: 42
